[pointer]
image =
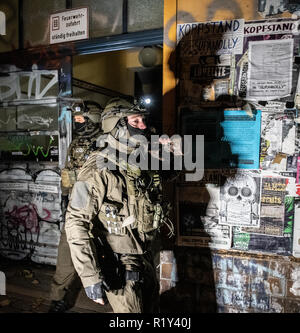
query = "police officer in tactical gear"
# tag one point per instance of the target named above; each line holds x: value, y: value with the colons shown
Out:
x: 113, y: 216
x: 86, y: 129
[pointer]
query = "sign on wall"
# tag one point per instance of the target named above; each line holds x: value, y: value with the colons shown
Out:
x: 69, y: 25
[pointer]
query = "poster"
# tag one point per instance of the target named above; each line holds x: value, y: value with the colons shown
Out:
x: 231, y: 137
x: 240, y: 199
x: 266, y: 70
x: 277, y: 216
x: 247, y: 241
x: 278, y: 137
x: 272, y: 211
x: 198, y: 212
x: 206, y: 52
x: 222, y: 37
x: 242, y: 132
x: 269, y: 69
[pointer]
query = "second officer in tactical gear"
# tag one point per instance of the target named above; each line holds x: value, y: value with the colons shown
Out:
x: 65, y: 284
x: 114, y: 213
x: 86, y: 130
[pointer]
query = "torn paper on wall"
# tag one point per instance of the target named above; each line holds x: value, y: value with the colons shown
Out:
x: 198, y: 214
x: 278, y: 136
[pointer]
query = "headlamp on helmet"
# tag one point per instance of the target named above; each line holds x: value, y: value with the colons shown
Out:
x: 116, y: 109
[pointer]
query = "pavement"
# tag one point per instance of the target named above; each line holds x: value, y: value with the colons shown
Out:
x: 28, y: 287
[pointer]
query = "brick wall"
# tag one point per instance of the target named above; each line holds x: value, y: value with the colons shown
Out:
x: 199, y: 280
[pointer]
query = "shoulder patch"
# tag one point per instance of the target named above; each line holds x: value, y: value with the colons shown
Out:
x: 80, y: 195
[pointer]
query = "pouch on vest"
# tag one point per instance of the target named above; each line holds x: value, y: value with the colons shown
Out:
x: 146, y: 212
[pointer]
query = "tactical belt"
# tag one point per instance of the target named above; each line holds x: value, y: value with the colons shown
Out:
x: 133, y: 276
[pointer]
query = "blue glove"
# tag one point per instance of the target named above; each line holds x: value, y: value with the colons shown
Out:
x: 96, y: 292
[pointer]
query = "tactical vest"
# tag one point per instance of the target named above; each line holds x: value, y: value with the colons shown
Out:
x: 144, y: 202
x: 143, y: 208
x: 77, y: 154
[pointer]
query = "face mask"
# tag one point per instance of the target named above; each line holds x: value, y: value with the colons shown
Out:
x: 135, y: 131
x: 78, y: 127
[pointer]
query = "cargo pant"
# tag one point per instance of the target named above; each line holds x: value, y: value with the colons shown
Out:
x: 138, y: 297
x: 66, y: 283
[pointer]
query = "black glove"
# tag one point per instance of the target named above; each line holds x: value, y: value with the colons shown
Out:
x: 96, y: 291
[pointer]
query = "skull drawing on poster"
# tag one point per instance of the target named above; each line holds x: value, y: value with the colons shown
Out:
x: 240, y: 201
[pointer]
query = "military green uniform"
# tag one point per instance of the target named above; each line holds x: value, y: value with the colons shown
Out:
x: 66, y: 284
x: 111, y: 204
x: 65, y: 280
x: 119, y: 208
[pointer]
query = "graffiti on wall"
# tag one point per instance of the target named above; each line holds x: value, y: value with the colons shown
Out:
x: 31, y: 215
x: 12, y: 84
x: 30, y: 147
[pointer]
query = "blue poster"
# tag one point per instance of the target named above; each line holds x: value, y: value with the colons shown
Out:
x: 242, y: 132
x: 231, y: 137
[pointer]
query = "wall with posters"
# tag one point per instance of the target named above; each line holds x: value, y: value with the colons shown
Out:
x: 231, y: 74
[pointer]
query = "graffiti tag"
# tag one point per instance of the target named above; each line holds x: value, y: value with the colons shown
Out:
x: 10, y: 86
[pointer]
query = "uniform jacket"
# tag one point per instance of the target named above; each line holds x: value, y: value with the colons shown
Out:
x: 100, y: 203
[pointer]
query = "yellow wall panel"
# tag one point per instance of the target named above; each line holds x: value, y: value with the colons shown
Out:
x: 210, y: 10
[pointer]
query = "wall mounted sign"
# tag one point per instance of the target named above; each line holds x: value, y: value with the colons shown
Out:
x: 69, y: 25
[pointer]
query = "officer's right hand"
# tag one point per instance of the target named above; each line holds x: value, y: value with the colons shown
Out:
x: 96, y: 293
